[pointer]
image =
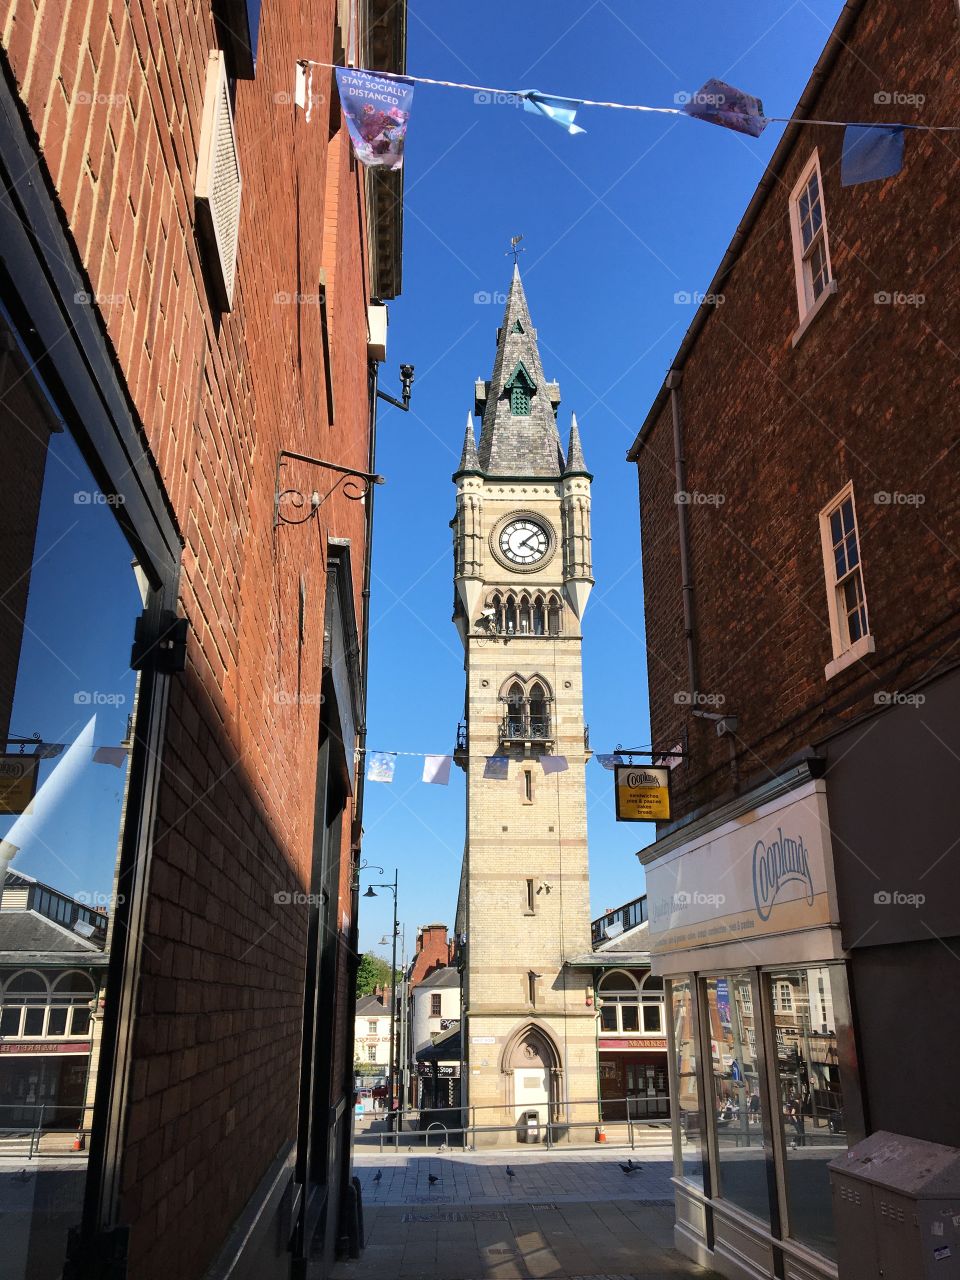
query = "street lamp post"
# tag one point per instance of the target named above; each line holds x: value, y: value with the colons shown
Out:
x: 370, y: 893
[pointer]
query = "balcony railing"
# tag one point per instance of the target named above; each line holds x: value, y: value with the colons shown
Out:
x: 518, y: 726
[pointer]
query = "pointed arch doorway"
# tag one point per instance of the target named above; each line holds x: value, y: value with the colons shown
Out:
x: 532, y: 1064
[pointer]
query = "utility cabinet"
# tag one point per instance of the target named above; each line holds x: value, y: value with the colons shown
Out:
x: 896, y: 1208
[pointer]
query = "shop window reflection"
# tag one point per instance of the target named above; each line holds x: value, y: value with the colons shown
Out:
x: 684, y: 1047
x: 737, y: 1101
x: 67, y: 706
x: 810, y: 1096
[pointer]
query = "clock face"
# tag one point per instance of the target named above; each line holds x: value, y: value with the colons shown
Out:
x: 523, y: 541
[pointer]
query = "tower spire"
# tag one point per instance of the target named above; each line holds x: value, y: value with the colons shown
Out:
x: 576, y: 466
x: 519, y: 432
x: 468, y: 456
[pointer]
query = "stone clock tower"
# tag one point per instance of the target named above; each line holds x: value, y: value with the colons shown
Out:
x: 523, y: 577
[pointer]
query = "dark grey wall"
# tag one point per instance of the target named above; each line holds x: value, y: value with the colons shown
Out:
x: 893, y: 791
x: 907, y: 1017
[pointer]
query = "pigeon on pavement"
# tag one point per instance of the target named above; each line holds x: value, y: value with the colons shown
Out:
x: 627, y: 1168
x: 378, y: 1175
x: 432, y: 1178
x: 510, y: 1172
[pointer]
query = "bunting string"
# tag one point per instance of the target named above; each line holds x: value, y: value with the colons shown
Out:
x: 626, y: 106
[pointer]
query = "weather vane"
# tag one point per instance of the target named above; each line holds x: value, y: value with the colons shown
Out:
x: 514, y: 242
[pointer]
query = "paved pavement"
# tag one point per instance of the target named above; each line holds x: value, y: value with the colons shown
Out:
x: 480, y: 1177
x: 564, y: 1214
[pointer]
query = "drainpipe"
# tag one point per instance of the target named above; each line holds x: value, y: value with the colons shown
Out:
x: 355, y: 834
x: 674, y: 379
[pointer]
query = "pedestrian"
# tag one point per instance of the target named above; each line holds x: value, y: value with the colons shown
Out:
x: 795, y: 1115
x: 754, y: 1108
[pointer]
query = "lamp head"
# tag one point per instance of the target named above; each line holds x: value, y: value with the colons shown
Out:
x: 371, y: 892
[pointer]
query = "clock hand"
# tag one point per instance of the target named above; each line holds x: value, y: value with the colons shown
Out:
x: 526, y: 541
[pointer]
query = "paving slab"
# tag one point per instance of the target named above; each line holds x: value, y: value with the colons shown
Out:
x: 563, y: 1216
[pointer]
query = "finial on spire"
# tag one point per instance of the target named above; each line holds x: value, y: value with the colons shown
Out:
x: 515, y: 250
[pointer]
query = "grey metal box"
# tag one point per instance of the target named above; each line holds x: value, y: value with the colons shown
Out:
x: 896, y: 1206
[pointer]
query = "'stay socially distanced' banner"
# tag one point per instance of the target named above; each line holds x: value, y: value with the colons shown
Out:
x: 377, y: 109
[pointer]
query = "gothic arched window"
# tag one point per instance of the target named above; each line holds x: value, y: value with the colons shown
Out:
x: 496, y: 604
x: 525, y: 621
x: 516, y: 700
x: 553, y: 616
x: 510, y: 616
x: 538, y: 616
x: 539, y: 711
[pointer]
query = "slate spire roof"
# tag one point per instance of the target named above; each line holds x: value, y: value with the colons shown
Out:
x: 575, y: 461
x: 525, y: 444
x: 468, y: 458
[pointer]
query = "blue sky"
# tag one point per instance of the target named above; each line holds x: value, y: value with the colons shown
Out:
x: 617, y: 223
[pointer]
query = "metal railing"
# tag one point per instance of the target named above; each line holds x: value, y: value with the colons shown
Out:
x: 629, y: 916
x: 517, y: 726
x: 43, y: 1133
x: 551, y: 1133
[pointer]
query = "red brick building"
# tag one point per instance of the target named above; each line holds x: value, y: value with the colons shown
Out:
x: 434, y: 951
x: 187, y: 267
x: 801, y: 530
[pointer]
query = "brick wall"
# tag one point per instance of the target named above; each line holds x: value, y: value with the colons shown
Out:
x: 114, y: 93
x: 433, y: 952
x: 773, y: 432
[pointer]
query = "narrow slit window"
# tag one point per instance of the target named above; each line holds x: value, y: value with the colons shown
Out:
x: 530, y: 896
x: 532, y: 988
x: 528, y: 786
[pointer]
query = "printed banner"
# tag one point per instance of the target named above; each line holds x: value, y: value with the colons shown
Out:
x: 870, y: 154
x: 381, y: 766
x: 117, y: 756
x: 609, y: 761
x: 720, y: 103
x: 377, y: 109
x: 436, y: 769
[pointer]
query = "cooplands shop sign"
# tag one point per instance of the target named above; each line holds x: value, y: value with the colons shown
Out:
x: 783, y: 862
x: 768, y: 871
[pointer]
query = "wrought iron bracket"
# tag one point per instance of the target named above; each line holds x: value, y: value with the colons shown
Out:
x: 354, y: 484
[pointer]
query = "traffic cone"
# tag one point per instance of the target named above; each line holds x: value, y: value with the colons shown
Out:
x: 601, y: 1134
x: 78, y: 1142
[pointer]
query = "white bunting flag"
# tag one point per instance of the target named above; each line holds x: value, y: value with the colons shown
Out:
x: 554, y: 764
x: 437, y: 769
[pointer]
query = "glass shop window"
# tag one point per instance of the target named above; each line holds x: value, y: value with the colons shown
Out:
x: 810, y: 1096
x: 688, y: 1090
x: 68, y: 697
x: 738, y: 1100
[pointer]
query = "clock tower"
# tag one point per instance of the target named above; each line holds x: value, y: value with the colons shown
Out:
x: 523, y: 576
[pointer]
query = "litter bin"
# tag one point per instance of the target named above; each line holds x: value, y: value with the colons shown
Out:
x: 896, y: 1207
x: 530, y: 1126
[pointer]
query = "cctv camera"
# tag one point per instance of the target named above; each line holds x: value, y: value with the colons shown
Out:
x: 727, y: 724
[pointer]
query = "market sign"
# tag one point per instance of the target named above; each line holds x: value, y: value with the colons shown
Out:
x: 18, y: 781
x: 642, y: 793
x: 644, y: 1042
x: 763, y: 873
x: 40, y: 1048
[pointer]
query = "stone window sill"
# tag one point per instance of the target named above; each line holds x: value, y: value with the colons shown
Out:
x: 813, y: 312
x: 849, y: 656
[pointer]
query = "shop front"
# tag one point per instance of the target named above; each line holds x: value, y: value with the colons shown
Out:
x: 633, y: 1078
x: 744, y: 929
